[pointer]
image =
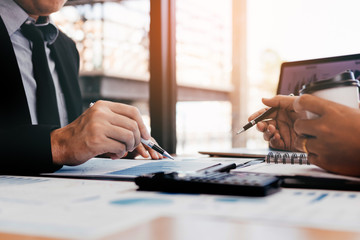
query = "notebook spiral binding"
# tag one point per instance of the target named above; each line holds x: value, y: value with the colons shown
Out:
x: 285, y: 158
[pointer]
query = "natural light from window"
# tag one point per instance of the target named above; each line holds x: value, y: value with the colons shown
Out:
x: 282, y: 30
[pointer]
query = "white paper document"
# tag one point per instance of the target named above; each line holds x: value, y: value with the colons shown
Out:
x: 127, y: 169
x: 92, y: 209
x: 293, y: 170
x: 63, y: 208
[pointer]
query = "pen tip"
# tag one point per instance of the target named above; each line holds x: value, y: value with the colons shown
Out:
x: 241, y: 131
x: 166, y: 154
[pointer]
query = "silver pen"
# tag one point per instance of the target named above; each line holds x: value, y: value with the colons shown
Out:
x: 157, y: 148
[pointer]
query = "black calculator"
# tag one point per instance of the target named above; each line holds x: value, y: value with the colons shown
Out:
x: 223, y: 183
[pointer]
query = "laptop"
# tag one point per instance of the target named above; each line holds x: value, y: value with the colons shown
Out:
x: 293, y: 75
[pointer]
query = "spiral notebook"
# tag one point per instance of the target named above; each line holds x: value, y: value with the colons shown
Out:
x: 270, y: 155
x: 287, y: 158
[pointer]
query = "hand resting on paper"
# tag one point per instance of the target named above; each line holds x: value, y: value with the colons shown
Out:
x: 109, y: 128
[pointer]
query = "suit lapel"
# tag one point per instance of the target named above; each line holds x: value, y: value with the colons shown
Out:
x: 13, y: 102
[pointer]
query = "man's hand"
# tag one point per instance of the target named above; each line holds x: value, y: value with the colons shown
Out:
x: 144, y: 151
x: 279, y: 131
x: 335, y: 144
x: 105, y: 128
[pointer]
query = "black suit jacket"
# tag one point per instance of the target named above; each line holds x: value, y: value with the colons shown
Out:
x: 26, y: 148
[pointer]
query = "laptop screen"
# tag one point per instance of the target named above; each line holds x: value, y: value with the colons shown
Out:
x: 293, y: 75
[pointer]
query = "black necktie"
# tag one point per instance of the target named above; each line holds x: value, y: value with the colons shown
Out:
x: 46, y: 104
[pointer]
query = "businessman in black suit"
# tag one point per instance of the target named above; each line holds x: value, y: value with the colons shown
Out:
x: 30, y: 144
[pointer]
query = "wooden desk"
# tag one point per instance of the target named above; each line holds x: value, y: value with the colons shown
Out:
x: 195, y: 227
x: 114, y: 210
x: 205, y: 227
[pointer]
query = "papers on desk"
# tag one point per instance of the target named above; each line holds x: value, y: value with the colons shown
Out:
x: 104, y: 168
x: 293, y: 170
x: 88, y: 209
x: 333, y: 210
x: 62, y: 208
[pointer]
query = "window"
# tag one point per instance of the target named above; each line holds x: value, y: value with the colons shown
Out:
x: 111, y: 37
x: 113, y: 40
x: 281, y: 30
x: 113, y: 43
x: 203, y: 61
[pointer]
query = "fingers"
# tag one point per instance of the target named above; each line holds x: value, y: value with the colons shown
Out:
x: 301, y: 144
x: 126, y: 130
x: 270, y: 132
x: 310, y: 127
x: 132, y: 113
x: 307, y: 144
x: 280, y: 101
x: 268, y: 129
x: 105, y: 128
x: 261, y: 126
x: 154, y: 154
x: 115, y: 156
x: 108, y: 145
x: 142, y: 151
x: 122, y: 135
x: 278, y: 131
x: 145, y: 150
x: 311, y: 103
x: 258, y: 113
x: 127, y: 118
x: 276, y: 142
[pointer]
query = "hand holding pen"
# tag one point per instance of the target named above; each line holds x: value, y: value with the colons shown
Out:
x: 277, y: 122
x: 157, y: 148
x: 262, y: 117
x: 107, y: 128
x: 149, y: 143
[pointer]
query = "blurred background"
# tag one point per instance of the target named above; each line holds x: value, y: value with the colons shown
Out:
x: 197, y: 69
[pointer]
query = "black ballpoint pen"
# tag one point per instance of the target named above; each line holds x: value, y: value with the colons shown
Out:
x: 260, y: 118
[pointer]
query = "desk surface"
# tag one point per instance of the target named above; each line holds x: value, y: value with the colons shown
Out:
x: 195, y: 227
x: 58, y: 208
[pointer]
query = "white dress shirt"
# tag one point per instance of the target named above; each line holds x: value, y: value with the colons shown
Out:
x: 14, y: 16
